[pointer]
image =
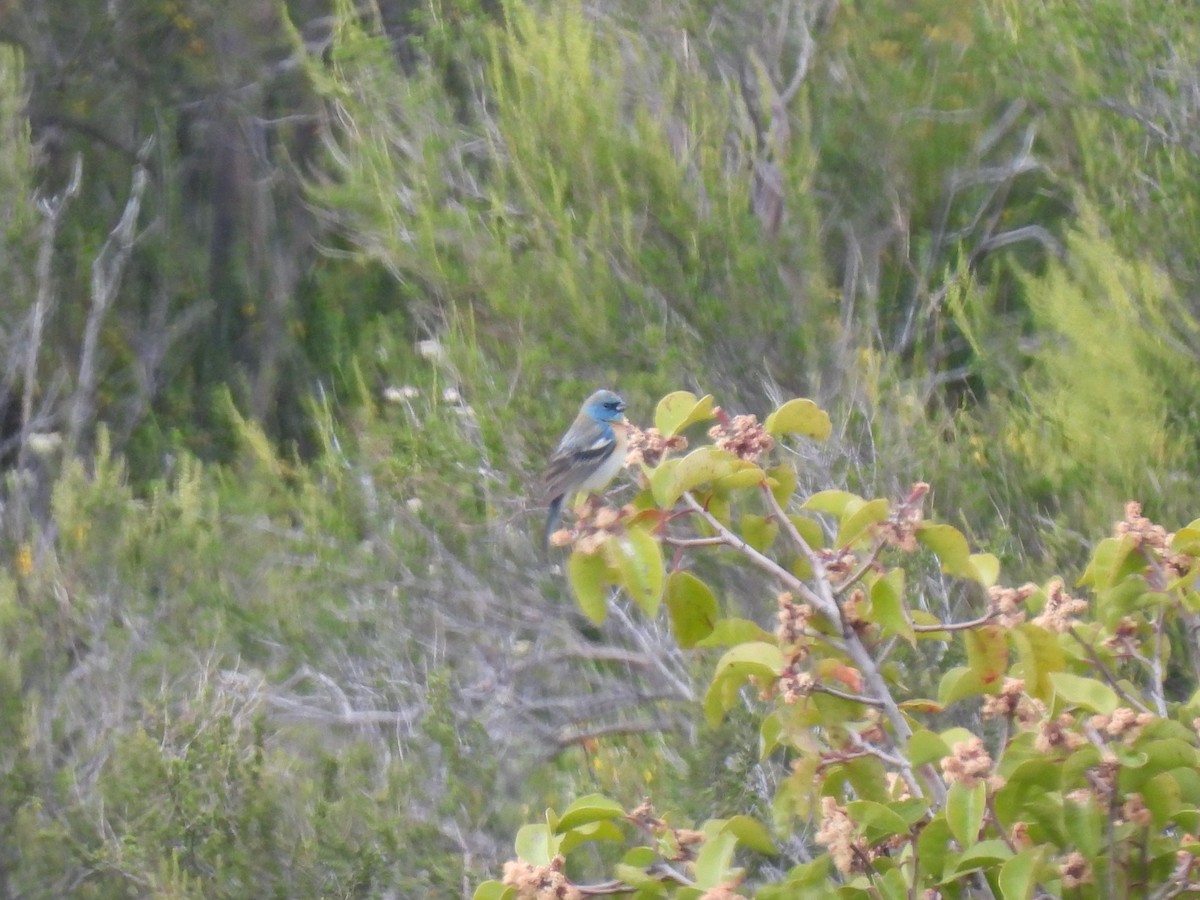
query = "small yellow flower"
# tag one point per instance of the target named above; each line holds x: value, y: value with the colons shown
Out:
x: 24, y: 561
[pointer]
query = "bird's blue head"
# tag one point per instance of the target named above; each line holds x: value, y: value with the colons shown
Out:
x: 605, y: 406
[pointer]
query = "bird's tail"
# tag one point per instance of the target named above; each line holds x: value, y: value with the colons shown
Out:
x: 556, y: 506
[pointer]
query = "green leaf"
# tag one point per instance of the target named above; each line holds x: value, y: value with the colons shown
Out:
x: 1037, y: 777
x: 1018, y: 875
x: 691, y: 607
x: 800, y: 417
x: 987, y: 654
x: 712, y: 863
x: 759, y: 531
x: 987, y: 568
x: 638, y: 878
x: 1084, y: 824
x: 751, y: 833
x: 832, y: 502
x: 1039, y: 654
x: 933, y: 847
x: 589, y: 577
x: 958, y: 684
x: 1085, y: 692
x: 1108, y: 564
x: 964, y: 812
x: 596, y: 831
x: 1162, y: 797
x: 784, y: 478
x: 887, y: 606
x: 733, y: 631
x: 856, y: 524
x: 876, y: 817
x: 926, y: 747
x: 950, y: 546
x: 982, y: 855
x: 592, y: 808
x: 1187, y: 539
x: 804, y: 880
x: 760, y: 659
x: 701, y: 466
x: 810, y: 530
x: 494, y: 890
x: 637, y: 558
x: 535, y: 845
x: 676, y: 412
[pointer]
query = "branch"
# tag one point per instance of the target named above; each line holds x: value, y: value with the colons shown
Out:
x: 52, y: 213
x: 107, y: 268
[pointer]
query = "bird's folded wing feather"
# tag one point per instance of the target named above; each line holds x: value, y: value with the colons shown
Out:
x: 572, y: 464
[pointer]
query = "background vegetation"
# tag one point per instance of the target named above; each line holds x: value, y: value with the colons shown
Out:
x: 297, y: 294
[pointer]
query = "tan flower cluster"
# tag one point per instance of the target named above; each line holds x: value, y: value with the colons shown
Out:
x: 540, y: 882
x: 968, y: 762
x: 595, y: 523
x: 794, y: 685
x: 644, y: 816
x: 1134, y: 810
x: 1057, y: 734
x: 1019, y: 835
x: 837, y: 834
x: 1004, y: 704
x: 838, y: 564
x: 1004, y: 604
x: 742, y: 436
x: 899, y: 530
x: 1058, y: 615
x: 685, y: 840
x: 793, y: 619
x: 1185, y: 859
x: 1145, y: 533
x: 1124, y: 639
x: 650, y: 446
x: 1123, y: 723
x: 1155, y: 541
x: 725, y: 891
x: 1075, y: 870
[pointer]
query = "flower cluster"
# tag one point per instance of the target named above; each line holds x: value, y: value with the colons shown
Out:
x: 1006, y: 703
x: 1124, y: 639
x: 794, y: 685
x: 838, y: 564
x: 1075, y: 870
x: 1060, y: 609
x: 1155, y: 542
x: 968, y: 762
x: 742, y: 436
x: 1145, y: 533
x: 540, y: 882
x: 793, y: 619
x: 1134, y: 810
x: 899, y: 530
x: 837, y: 834
x: 1004, y: 604
x: 725, y: 891
x: 650, y: 446
x: 595, y: 523
x: 1056, y: 734
x: 1124, y: 723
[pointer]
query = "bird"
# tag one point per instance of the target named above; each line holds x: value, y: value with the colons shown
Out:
x: 589, y: 455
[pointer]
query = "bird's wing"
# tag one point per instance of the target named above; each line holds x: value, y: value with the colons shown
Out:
x: 572, y: 463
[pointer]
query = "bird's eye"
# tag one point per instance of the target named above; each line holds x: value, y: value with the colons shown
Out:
x: 614, y: 405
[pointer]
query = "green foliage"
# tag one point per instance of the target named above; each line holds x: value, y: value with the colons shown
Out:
x: 1073, y: 773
